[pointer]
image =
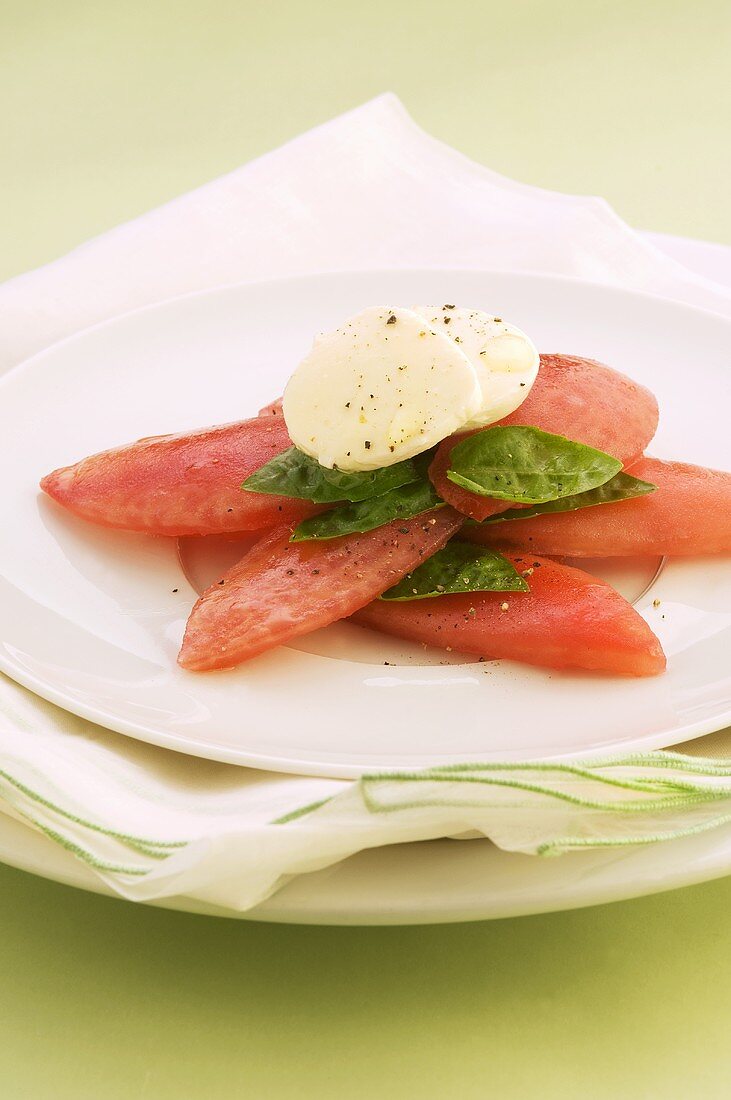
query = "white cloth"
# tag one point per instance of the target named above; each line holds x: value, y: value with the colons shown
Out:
x: 356, y: 193
x: 369, y: 190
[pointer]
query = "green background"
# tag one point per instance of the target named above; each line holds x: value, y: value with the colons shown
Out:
x: 109, y: 108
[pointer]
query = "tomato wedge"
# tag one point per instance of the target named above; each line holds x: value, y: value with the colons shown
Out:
x: 282, y: 589
x: 274, y: 408
x: 567, y: 620
x: 574, y: 397
x: 187, y: 484
x: 689, y: 513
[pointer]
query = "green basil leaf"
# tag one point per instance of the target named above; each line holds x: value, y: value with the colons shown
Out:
x: 524, y: 464
x: 295, y: 474
x: 621, y: 487
x: 459, y: 567
x: 404, y: 502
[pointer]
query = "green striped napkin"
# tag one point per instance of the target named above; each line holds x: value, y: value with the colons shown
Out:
x: 154, y: 824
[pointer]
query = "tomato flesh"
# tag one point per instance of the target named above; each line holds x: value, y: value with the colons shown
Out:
x: 283, y: 589
x: 187, y: 484
x: 574, y: 397
x: 569, y: 619
x: 274, y: 408
x: 689, y: 513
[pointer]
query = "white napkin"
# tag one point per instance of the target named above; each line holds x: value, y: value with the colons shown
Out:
x: 155, y: 824
x: 367, y: 190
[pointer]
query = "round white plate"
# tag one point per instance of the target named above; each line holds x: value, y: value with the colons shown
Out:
x: 439, y: 880
x: 434, y: 882
x: 91, y: 619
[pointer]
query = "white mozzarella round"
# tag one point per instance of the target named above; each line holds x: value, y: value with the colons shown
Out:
x: 382, y: 387
x: 505, y: 359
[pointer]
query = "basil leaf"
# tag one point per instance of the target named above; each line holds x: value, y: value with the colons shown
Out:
x: 404, y: 502
x: 515, y: 462
x: 295, y: 474
x: 621, y: 487
x: 459, y: 567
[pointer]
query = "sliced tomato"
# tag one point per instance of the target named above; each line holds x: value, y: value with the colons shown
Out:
x: 282, y: 589
x: 577, y: 398
x: 689, y: 513
x: 274, y: 408
x: 188, y: 484
x: 567, y: 620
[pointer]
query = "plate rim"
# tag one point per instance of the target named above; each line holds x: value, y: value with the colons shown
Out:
x: 297, y: 901
x: 348, y: 273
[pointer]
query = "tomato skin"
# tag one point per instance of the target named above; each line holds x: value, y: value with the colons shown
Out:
x: 569, y: 619
x: 574, y: 397
x: 187, y: 484
x: 689, y: 513
x: 281, y: 589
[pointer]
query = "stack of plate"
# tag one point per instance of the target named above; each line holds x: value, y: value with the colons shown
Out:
x: 92, y: 619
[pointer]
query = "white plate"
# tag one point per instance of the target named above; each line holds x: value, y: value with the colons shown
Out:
x: 439, y: 880
x: 91, y: 620
x: 434, y: 882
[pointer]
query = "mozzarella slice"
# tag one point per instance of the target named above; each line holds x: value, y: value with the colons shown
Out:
x: 505, y: 359
x: 383, y: 387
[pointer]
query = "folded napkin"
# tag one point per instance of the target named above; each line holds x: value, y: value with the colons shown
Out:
x: 156, y: 824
